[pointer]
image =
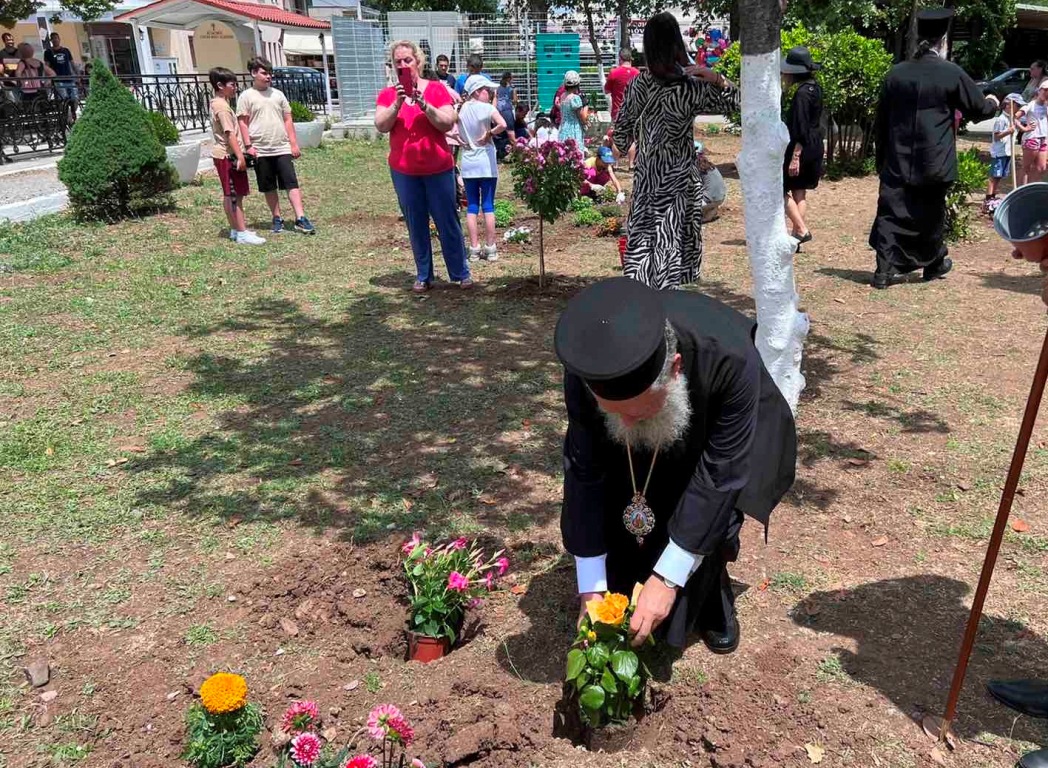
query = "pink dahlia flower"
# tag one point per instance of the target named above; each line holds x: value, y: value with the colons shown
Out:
x: 378, y: 720
x: 401, y: 729
x: 305, y: 749
x: 361, y: 761
x: 300, y: 716
x: 457, y: 582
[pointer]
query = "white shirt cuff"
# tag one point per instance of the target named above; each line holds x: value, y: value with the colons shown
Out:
x: 592, y: 574
x: 677, y: 564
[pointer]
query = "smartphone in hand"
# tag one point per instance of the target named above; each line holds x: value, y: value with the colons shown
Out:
x: 407, y: 80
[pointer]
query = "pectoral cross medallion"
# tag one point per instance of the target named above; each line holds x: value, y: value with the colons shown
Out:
x: 639, y: 518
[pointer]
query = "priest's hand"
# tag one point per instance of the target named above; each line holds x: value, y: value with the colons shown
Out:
x: 584, y: 598
x: 653, y: 606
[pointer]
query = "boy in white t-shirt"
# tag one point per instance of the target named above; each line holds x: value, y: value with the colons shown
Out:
x: 478, y: 121
x: 1001, y: 146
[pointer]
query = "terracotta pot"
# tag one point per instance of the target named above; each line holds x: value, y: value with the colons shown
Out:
x: 427, y: 649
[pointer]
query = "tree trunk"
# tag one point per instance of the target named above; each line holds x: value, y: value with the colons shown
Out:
x: 733, y: 21
x: 911, y: 35
x: 624, y: 24
x: 781, y: 327
x: 587, y: 9
x: 542, y: 257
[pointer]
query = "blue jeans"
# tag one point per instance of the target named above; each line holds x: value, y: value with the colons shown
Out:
x: 422, y: 197
x: 67, y: 90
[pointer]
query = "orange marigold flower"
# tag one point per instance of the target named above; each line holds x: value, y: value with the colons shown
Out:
x: 610, y: 609
x: 223, y: 692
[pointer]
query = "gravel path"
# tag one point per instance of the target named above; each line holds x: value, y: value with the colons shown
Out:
x: 20, y: 187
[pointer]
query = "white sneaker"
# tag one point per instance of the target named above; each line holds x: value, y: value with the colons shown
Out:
x: 474, y: 253
x: 233, y: 235
x: 491, y: 253
x: 249, y: 238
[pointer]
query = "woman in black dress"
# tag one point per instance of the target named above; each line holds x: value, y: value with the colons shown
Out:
x: 802, y: 166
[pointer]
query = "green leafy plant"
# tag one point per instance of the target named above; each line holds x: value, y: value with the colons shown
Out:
x: 445, y: 581
x: 164, y: 130
x: 114, y: 165
x: 609, y: 227
x: 853, y: 69
x: 504, y: 213
x: 222, y: 729
x: 587, y: 217
x: 610, y: 211
x: 300, y: 113
x: 971, y: 175
x: 607, y: 675
x: 580, y: 204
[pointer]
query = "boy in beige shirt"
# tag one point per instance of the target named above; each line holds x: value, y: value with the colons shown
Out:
x: 269, y: 136
x: 229, y: 157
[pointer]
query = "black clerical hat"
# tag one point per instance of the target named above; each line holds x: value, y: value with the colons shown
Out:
x: 612, y: 335
x: 933, y: 23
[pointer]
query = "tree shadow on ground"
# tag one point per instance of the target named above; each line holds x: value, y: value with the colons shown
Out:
x: 914, y: 421
x: 908, y: 633
x: 390, y: 414
x: 1030, y: 284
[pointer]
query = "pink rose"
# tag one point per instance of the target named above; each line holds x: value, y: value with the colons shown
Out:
x: 457, y: 582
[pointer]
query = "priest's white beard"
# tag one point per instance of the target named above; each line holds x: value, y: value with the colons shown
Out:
x: 664, y: 428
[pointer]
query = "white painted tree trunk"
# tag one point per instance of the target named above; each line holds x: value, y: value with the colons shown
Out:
x: 781, y: 327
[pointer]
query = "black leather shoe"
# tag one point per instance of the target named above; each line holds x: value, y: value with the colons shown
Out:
x: 723, y: 642
x: 1038, y: 759
x: 1030, y: 697
x: 882, y: 280
x: 936, y: 271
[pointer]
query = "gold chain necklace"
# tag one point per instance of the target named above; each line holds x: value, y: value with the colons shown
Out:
x: 639, y: 518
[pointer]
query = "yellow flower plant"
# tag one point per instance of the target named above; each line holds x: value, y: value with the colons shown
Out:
x: 223, y: 692
x: 610, y: 609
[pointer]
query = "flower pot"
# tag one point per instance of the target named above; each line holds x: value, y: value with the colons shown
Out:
x: 309, y: 134
x: 427, y: 649
x: 186, y: 159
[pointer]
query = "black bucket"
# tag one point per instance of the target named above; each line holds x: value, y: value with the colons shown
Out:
x: 1022, y: 216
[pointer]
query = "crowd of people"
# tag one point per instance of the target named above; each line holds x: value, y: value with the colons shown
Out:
x: 26, y: 78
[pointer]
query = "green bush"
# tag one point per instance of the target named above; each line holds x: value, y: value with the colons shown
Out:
x: 164, y: 130
x: 971, y: 175
x: 504, y: 213
x: 300, y: 113
x: 580, y: 204
x: 610, y: 211
x: 853, y: 69
x: 587, y: 217
x: 114, y: 166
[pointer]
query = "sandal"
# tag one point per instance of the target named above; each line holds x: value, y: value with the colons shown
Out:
x: 420, y: 287
x: 467, y: 283
x: 807, y: 237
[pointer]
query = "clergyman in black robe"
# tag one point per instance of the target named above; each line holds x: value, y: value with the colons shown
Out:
x: 917, y: 153
x: 670, y: 383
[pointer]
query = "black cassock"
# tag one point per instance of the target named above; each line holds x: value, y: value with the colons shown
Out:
x: 917, y: 157
x: 738, y: 456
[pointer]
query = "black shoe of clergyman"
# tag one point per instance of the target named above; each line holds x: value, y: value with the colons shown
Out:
x: 1038, y: 759
x: 1030, y: 697
x: 882, y: 280
x: 938, y: 270
x: 723, y: 642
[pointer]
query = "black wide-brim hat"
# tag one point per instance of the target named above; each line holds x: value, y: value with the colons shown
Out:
x: 934, y: 23
x: 612, y: 335
x: 798, y: 61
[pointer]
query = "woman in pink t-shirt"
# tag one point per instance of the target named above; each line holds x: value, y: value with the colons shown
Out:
x: 422, y: 166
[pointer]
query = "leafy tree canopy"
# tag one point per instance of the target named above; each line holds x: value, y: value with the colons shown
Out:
x: 13, y: 11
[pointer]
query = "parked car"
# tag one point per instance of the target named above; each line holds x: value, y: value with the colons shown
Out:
x: 302, y: 84
x: 1010, y: 81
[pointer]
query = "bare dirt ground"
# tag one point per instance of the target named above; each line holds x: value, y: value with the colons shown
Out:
x: 202, y: 441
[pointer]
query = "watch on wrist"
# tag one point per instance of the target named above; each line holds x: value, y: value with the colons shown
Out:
x: 666, y: 581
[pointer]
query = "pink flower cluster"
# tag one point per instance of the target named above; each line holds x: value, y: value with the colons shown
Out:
x: 547, y: 177
x: 457, y: 582
x: 386, y: 722
x: 360, y: 761
x: 305, y: 749
x: 300, y: 716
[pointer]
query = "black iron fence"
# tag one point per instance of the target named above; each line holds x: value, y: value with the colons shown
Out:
x: 37, y: 114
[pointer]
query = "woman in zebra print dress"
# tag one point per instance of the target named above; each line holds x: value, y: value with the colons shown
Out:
x: 664, y: 227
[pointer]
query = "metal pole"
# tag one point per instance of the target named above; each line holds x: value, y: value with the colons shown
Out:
x: 1022, y: 443
x: 527, y: 60
x: 327, y: 76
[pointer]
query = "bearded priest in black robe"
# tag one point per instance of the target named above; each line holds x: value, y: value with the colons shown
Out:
x: 917, y: 153
x: 675, y: 429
